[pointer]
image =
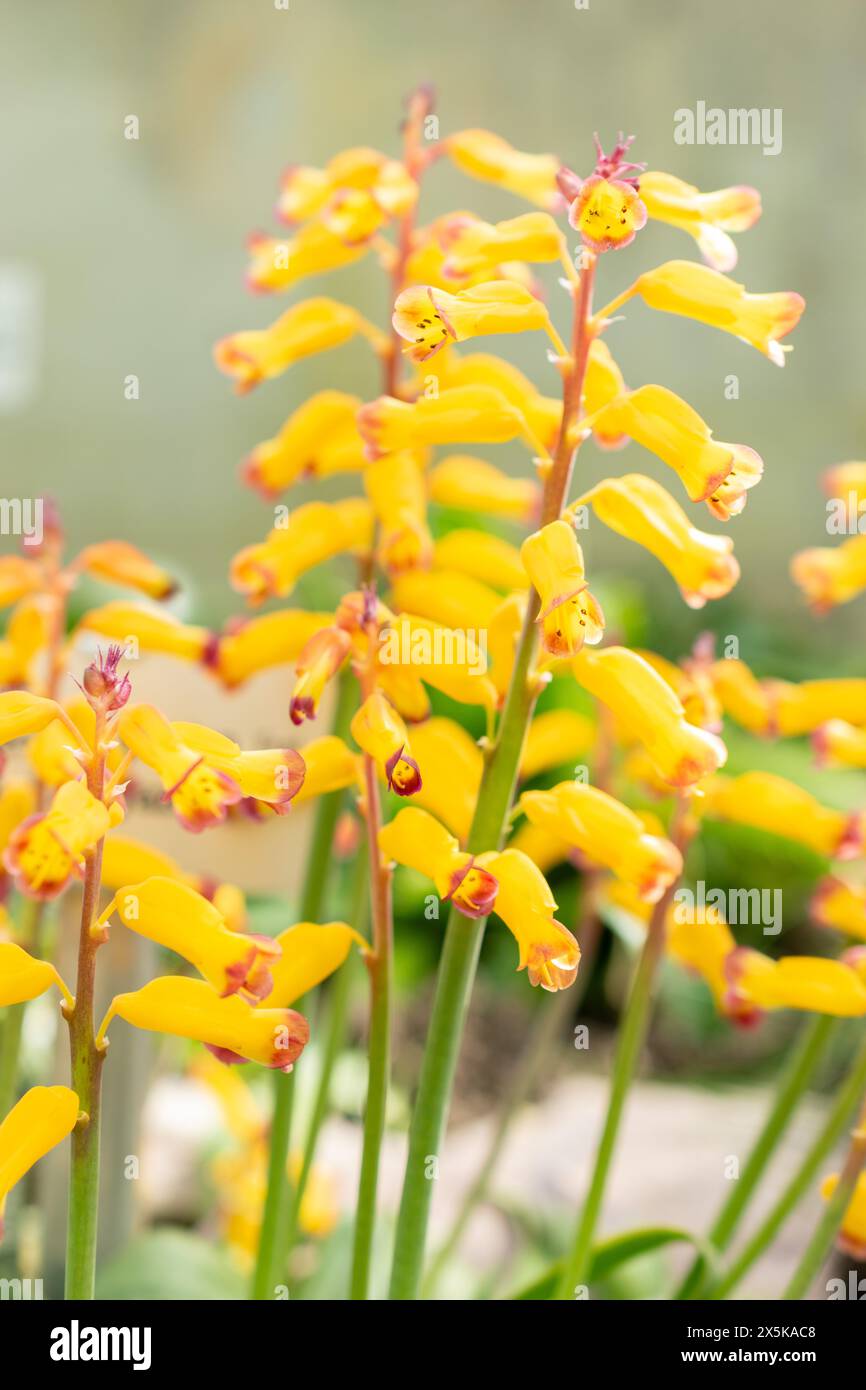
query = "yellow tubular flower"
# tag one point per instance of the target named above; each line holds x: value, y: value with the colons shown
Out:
x: 838, y: 744
x: 697, y: 292
x: 841, y: 905
x: 429, y: 319
x: 607, y: 213
x: 39, y: 1122
x: 420, y: 842
x: 24, y: 977
x: 459, y: 415
x: 330, y: 766
x: 319, y: 439
x: 378, y: 729
x: 548, y: 951
x: 803, y: 708
x: 277, y: 264
x: 146, y: 630
x: 310, y: 953
x: 453, y: 764
x: 712, y: 472
x: 117, y: 562
x: 256, y: 644
x: 481, y: 556
x: 851, y: 1239
x: 692, y: 686
x: 708, y: 217
x: 23, y: 714
x: 45, y: 851
x: 479, y: 247
x: 545, y: 849
x: 768, y: 802
x: 607, y: 832
x: 272, y: 775
x: 828, y: 576
x: 199, y: 794
x: 318, y: 663
x: 474, y: 484
x: 173, y: 915
x: 643, y: 511
x: 542, y: 413
x: 18, y: 578
x: 488, y: 157
x: 446, y: 596
x: 650, y: 711
x: 306, y: 191
x: 25, y: 639
x: 704, y: 944
x: 554, y: 738
x: 570, y: 615
x: 449, y: 659
x: 313, y: 326
x: 743, y: 698
x: 811, y: 983
x: 229, y: 1027
x: 396, y: 488
x: 315, y: 532
x: 125, y: 860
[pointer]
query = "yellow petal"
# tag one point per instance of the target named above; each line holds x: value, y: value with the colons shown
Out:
x: 310, y: 953
x: 474, y: 484
x: 23, y: 977
x: 453, y: 765
x: 39, y: 1122
x: 118, y: 562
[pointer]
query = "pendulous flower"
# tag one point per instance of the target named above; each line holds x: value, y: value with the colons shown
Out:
x: 570, y: 615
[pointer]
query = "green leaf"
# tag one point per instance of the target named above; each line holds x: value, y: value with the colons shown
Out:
x: 610, y: 1254
x: 170, y: 1264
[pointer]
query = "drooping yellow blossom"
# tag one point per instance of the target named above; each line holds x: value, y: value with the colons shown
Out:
x: 118, y: 562
x: 543, y: 414
x: 836, y: 903
x: 417, y: 840
x: 314, y: 532
x: 712, y: 472
x: 378, y: 729
x: 811, y: 983
x: 24, y: 977
x: 48, y: 849
x: 838, y: 744
x: 708, y: 217
x: 607, y: 212
x: 38, y: 1123
x: 272, y: 775
x: 231, y: 1028
x: 451, y: 660
x: 446, y: 596
x: 429, y: 319
x: 697, y: 292
x: 279, y: 263
x: 482, y: 556
x: 144, y: 630
x: 307, y: 191
x: 851, y: 1238
x: 311, y: 951
x: 453, y: 765
x: 397, y: 491
x: 199, y: 794
x: 475, y: 247
x: 459, y: 415
x: 602, y: 384
x: 25, y: 639
x: 23, y: 714
x: 127, y: 860
x: 649, y: 710
x: 330, y: 766
x: 640, y: 509
x: 474, y: 484
x: 548, y: 951
x: 175, y: 916
x: 313, y: 326
x: 769, y: 802
x: 692, y: 686
x: 828, y: 575
x: 703, y: 943
x: 554, y: 738
x: 570, y: 615
x: 318, y: 663
x: 488, y: 157
x: 607, y: 832
x: 743, y: 698
x: 256, y: 644
x: 319, y: 439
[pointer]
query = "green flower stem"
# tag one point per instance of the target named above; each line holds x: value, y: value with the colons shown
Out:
x: 795, y: 1080
x: 821, y: 1244
x: 276, y: 1215
x: 551, y: 1018
x: 463, y: 936
x: 803, y: 1180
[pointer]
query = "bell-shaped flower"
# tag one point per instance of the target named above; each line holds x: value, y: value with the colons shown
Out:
x: 697, y: 292
x: 311, y: 951
x: 830, y: 575
x: 250, y: 645
x: 48, y: 849
x: 805, y: 707
x: 319, y: 440
x: 488, y: 157
x: 118, y: 562
x: 607, y: 833
x: 330, y: 766
x: 200, y: 794
x: 458, y: 415
x: 378, y: 729
x: 318, y: 663
x: 640, y: 509
x: 769, y: 802
x: 707, y: 217
x: 702, y: 942
x: 475, y: 485
x: 313, y: 326
x: 607, y: 212
x: 811, y: 983
x: 602, y: 384
x: 230, y: 1027
x: 42, y: 1119
x: 429, y: 319
x: 396, y: 488
x: 548, y: 951
x: 127, y: 860
x: 146, y: 630
x: 650, y: 712
x: 417, y: 840
x: 314, y: 532
x: 570, y: 615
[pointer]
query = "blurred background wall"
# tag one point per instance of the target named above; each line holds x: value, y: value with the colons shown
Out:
x: 120, y: 256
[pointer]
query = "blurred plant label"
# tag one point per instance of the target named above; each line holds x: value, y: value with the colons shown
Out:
x: 20, y: 319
